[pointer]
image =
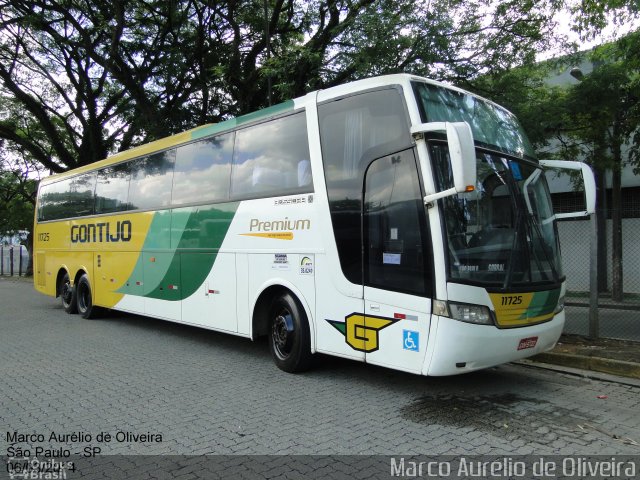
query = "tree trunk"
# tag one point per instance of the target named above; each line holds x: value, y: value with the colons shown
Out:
x: 601, y: 219
x: 616, y: 238
x: 29, y: 245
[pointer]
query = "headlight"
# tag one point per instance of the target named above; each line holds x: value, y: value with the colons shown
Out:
x: 464, y: 312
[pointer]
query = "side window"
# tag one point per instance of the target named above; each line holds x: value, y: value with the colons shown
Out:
x: 354, y: 131
x: 81, y: 190
x: 272, y: 158
x: 202, y: 170
x: 395, y: 226
x: 112, y: 189
x: 151, y: 181
x: 53, y: 199
x: 68, y: 198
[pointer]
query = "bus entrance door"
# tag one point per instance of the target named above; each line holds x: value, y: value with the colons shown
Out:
x: 397, y: 310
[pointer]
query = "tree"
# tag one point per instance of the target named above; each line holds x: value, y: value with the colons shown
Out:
x: 605, y: 104
x: 83, y: 79
x: 17, y: 200
x: 592, y: 120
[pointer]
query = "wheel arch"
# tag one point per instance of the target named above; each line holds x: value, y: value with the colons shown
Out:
x: 61, y: 273
x: 81, y: 271
x: 262, y: 302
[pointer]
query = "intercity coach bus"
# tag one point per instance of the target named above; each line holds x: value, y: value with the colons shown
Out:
x: 393, y: 220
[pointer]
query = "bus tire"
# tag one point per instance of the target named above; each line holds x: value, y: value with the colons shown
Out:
x: 289, y: 338
x: 68, y: 294
x: 84, y: 298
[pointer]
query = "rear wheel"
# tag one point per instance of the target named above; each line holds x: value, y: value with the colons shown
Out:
x: 84, y: 298
x: 289, y: 339
x: 67, y: 294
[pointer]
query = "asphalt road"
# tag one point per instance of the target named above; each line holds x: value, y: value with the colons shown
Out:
x: 165, y: 389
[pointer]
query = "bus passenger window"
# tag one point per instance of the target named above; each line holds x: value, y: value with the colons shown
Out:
x: 202, y: 171
x: 151, y: 181
x: 68, y: 198
x: 267, y: 159
x: 112, y: 188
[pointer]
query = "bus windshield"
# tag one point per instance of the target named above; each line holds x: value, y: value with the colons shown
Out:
x: 504, y: 233
x: 492, y: 126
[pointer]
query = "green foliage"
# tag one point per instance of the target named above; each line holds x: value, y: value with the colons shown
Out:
x: 594, y: 15
x: 590, y: 119
x: 81, y: 80
x: 16, y: 203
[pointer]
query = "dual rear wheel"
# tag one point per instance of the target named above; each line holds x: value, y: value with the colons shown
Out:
x: 77, y: 298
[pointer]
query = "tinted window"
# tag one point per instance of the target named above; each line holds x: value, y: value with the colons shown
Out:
x: 272, y: 159
x: 68, y: 198
x: 53, y: 199
x: 81, y: 191
x: 112, y: 189
x: 151, y: 181
x: 354, y: 131
x: 395, y: 225
x: 202, y: 171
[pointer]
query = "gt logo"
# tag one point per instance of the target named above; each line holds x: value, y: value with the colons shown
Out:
x: 361, y: 331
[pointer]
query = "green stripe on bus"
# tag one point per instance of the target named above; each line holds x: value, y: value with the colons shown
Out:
x: 175, y: 275
x: 230, y: 124
x: 542, y: 303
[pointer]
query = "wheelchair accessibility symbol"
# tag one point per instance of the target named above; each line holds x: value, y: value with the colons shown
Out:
x: 411, y: 340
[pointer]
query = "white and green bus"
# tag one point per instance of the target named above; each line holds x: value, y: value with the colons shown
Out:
x: 394, y: 220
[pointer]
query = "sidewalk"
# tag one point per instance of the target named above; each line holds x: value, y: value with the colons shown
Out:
x: 614, y: 357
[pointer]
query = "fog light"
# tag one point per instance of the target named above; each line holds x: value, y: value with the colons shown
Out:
x: 478, y: 314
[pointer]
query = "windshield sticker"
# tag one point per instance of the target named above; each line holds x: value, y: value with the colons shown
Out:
x: 467, y: 268
x: 391, y: 258
x: 515, y: 170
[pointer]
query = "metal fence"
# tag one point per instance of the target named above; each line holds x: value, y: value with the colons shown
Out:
x: 591, y: 308
x: 13, y: 260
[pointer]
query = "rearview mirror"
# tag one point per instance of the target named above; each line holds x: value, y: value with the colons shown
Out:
x: 589, y: 184
x: 461, y: 152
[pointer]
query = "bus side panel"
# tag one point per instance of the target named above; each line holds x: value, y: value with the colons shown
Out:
x: 51, y: 242
x: 110, y: 275
x: 334, y: 313
x: 163, y: 285
x: 213, y: 304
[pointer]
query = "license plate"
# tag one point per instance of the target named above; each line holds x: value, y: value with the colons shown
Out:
x: 528, y: 342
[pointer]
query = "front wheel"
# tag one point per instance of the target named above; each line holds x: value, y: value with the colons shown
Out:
x: 84, y: 298
x: 289, y: 339
x: 68, y: 294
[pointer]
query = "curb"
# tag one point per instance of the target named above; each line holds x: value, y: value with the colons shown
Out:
x: 590, y: 374
x: 597, y: 364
